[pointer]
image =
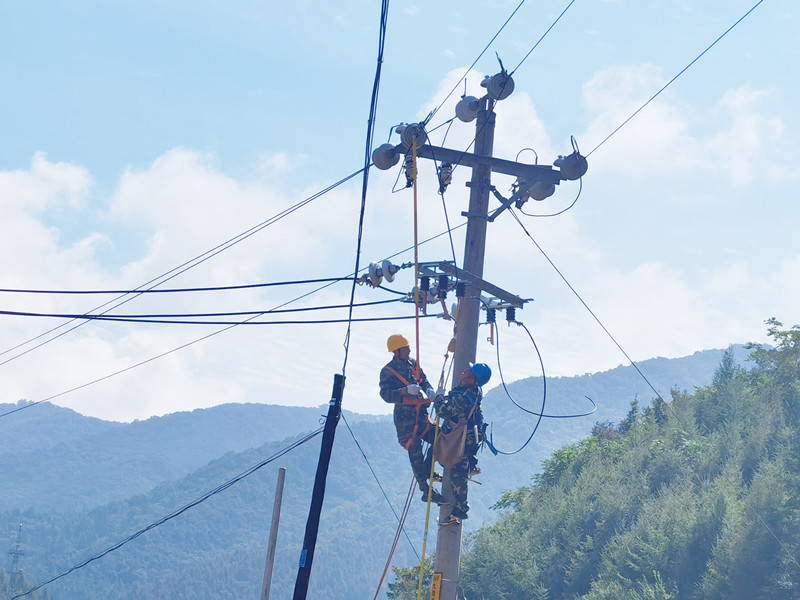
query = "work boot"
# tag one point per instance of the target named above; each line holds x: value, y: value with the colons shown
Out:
x: 436, y: 497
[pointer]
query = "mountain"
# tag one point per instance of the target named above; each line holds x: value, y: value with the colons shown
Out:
x: 80, y: 486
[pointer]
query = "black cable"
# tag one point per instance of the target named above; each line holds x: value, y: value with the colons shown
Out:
x: 133, y: 317
x: 233, y: 323
x: 464, y: 76
x: 699, y: 56
x: 179, y: 269
x: 373, y: 107
x: 544, y: 399
x: 541, y: 38
x: 380, y: 486
x: 561, y: 212
x: 172, y: 290
x: 586, y: 306
x: 175, y: 513
x: 200, y: 339
x: 519, y: 406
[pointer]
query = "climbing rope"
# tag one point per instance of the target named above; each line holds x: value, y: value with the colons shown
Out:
x: 407, y: 506
x: 427, y: 513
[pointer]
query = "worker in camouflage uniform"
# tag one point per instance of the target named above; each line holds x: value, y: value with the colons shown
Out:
x: 464, y: 402
x: 404, y: 384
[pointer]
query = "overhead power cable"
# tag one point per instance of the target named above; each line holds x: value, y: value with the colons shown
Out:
x: 524, y: 58
x: 586, y: 306
x: 686, y: 68
x: 248, y: 322
x: 373, y: 108
x: 205, y: 337
x: 133, y: 317
x: 174, y: 290
x: 172, y: 515
x: 464, y: 76
x: 177, y: 270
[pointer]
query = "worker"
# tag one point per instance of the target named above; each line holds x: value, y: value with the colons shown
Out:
x: 464, y: 402
x: 404, y: 384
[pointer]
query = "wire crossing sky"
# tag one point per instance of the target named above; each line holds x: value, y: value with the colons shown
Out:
x: 138, y: 135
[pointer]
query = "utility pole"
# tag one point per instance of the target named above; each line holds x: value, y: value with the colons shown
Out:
x: 273, y: 536
x: 533, y: 181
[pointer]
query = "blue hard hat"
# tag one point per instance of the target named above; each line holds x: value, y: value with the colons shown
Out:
x: 481, y: 371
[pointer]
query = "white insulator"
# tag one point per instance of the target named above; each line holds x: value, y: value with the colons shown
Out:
x: 499, y: 86
x: 467, y: 108
x: 375, y: 274
x: 385, y: 157
x: 409, y: 133
x: 388, y: 270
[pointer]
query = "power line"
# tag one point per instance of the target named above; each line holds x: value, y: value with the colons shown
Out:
x: 373, y: 107
x: 134, y: 317
x: 172, y: 515
x: 541, y: 38
x: 173, y: 290
x: 586, y: 306
x: 181, y: 268
x: 699, y: 56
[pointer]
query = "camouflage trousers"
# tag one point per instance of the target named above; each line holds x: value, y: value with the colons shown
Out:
x: 421, y: 462
x: 458, y: 482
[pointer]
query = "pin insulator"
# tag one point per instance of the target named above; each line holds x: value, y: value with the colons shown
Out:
x: 425, y: 283
x: 511, y: 314
x: 491, y: 315
x: 444, y: 283
x: 461, y: 289
x: 408, y: 163
x: 445, y: 176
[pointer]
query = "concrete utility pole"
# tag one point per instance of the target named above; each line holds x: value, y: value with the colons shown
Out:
x: 266, y: 584
x: 533, y: 181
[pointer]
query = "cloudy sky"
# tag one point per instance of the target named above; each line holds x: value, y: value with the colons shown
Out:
x: 138, y: 136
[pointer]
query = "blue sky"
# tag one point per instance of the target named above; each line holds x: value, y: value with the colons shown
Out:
x: 137, y: 135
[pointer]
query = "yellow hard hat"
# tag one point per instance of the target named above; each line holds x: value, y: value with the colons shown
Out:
x: 395, y: 342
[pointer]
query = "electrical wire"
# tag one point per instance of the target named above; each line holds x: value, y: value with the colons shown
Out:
x: 176, y: 513
x: 464, y: 76
x: 561, y: 212
x: 517, y: 404
x: 586, y: 306
x: 373, y: 107
x: 544, y: 400
x: 235, y: 323
x: 541, y: 38
x: 200, y: 339
x: 134, y: 317
x: 180, y: 269
x: 380, y: 486
x: 686, y: 68
x: 173, y: 290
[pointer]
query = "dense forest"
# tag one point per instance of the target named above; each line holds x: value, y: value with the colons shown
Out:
x: 692, y: 498
x: 80, y: 486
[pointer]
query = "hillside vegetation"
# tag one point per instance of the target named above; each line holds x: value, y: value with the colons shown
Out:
x: 113, y: 479
x: 694, y: 498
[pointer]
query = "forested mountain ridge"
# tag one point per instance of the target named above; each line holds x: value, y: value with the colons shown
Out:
x: 217, y: 548
x: 697, y: 498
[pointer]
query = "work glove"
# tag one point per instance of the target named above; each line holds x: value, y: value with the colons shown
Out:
x: 430, y: 394
x: 414, y: 390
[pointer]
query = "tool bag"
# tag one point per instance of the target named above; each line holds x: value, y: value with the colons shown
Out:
x: 448, y: 447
